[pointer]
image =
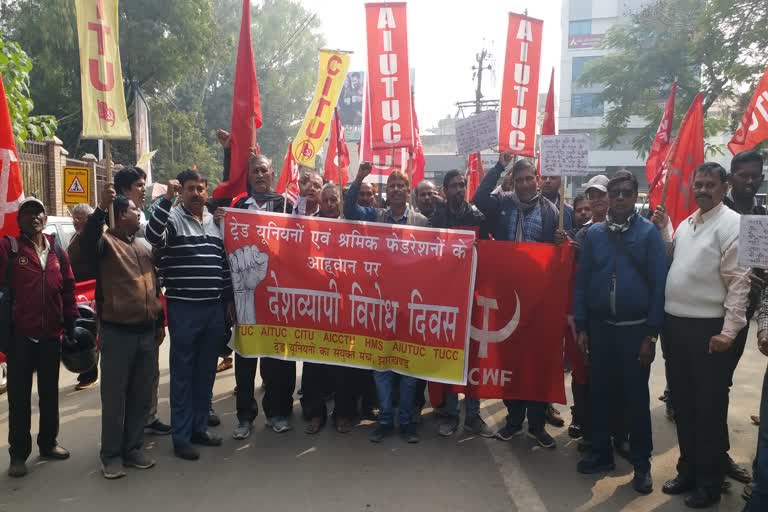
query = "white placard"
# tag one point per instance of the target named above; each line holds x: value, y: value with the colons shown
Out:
x: 476, y: 133
x: 564, y: 155
x: 753, y: 241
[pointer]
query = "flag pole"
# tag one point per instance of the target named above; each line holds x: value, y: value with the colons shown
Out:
x: 253, y: 133
x: 338, y: 157
x: 108, y: 167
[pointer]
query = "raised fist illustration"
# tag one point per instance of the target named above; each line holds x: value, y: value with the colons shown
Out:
x: 248, y: 267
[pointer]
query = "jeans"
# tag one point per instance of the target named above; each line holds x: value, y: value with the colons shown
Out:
x: 451, y: 406
x: 195, y: 331
x: 759, y: 499
x: 385, y: 389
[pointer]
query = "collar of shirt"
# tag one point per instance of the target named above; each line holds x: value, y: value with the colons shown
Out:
x: 253, y: 205
x: 403, y: 219
x: 700, y: 218
x: 41, y: 253
x: 206, y: 214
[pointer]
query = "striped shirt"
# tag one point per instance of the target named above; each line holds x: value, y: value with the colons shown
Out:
x: 191, y: 255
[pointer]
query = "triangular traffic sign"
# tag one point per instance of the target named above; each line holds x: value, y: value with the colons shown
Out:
x: 76, y: 187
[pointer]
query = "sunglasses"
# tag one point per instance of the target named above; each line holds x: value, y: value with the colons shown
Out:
x: 625, y: 193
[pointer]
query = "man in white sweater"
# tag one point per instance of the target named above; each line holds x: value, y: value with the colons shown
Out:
x: 706, y: 298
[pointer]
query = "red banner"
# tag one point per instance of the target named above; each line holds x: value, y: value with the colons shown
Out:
x: 520, y: 92
x: 753, y: 127
x: 389, y: 82
x: 516, y: 349
x: 383, y: 161
x: 351, y: 293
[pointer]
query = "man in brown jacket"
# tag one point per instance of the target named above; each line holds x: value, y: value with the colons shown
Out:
x: 129, y: 310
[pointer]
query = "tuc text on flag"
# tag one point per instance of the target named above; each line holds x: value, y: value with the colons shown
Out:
x: 101, y: 75
x: 351, y: 293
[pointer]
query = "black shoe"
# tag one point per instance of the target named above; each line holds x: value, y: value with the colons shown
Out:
x: 574, y: 431
x: 410, y: 434
x: 737, y: 472
x: 213, y: 418
x: 593, y: 463
x: 642, y: 482
x: 56, y: 453
x: 379, y: 433
x: 552, y: 416
x: 157, y: 428
x: 186, y: 452
x: 678, y: 485
x: 206, y: 439
x: 17, y: 469
x: 543, y: 438
x: 702, y: 498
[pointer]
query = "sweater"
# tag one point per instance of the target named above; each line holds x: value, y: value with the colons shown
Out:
x: 191, y: 260
x: 698, y: 283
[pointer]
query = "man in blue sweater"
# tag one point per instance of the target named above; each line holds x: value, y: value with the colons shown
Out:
x: 619, y: 311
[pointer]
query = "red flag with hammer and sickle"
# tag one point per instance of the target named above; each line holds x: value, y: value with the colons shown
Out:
x: 11, y: 188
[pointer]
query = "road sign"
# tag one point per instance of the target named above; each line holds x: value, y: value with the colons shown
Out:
x: 77, y: 185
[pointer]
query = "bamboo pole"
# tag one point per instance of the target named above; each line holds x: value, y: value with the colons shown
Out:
x: 338, y: 158
x: 108, y: 167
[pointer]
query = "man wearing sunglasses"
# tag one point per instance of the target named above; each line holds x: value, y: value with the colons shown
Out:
x: 619, y: 311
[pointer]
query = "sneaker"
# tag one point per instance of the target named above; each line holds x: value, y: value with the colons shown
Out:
x: 593, y: 463
x: 379, y: 433
x: 448, y: 426
x: 139, y: 460
x: 213, y: 418
x: 553, y: 417
x: 242, y: 430
x: 476, y: 425
x: 157, y: 428
x: 279, y: 424
x: 411, y: 434
x: 112, y: 470
x: 186, y: 452
x: 17, y: 469
x: 206, y: 439
x: 507, y: 432
x: 543, y: 438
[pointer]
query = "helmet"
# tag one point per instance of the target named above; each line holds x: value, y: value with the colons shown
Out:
x: 79, y: 353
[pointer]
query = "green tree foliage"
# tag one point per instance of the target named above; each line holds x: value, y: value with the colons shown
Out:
x: 716, y: 47
x: 15, y: 66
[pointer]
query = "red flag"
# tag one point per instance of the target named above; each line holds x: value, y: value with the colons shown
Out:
x: 548, y: 123
x: 475, y: 174
x: 389, y: 87
x: 654, y: 169
x: 686, y: 154
x: 419, y: 161
x: 246, y: 112
x: 11, y: 188
x: 337, y: 142
x: 513, y: 338
x: 288, y: 183
x: 383, y: 161
x: 753, y: 127
x: 520, y: 92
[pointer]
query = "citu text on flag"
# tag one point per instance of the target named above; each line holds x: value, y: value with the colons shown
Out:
x: 246, y: 112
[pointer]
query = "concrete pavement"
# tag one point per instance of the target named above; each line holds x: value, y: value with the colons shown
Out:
x: 333, y: 472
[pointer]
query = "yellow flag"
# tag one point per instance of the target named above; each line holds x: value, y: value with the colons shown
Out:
x: 101, y: 76
x: 333, y: 70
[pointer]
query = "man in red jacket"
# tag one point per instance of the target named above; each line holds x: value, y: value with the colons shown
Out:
x: 43, y: 288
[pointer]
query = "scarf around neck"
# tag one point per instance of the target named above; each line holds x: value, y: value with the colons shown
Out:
x: 616, y: 227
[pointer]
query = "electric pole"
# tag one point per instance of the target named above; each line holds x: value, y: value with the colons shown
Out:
x: 480, y: 58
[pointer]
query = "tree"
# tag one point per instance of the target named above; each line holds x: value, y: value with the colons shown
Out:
x: 15, y: 66
x: 714, y: 46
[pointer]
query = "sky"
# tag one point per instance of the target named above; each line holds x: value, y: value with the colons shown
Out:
x: 443, y: 38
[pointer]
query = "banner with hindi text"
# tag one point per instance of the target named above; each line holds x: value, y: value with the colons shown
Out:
x: 101, y: 74
x: 357, y: 294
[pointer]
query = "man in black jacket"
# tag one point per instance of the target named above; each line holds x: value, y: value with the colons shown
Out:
x: 279, y: 376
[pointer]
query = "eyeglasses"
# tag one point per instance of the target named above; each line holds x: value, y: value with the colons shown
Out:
x: 623, y: 192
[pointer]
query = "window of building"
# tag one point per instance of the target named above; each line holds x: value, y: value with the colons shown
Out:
x: 577, y: 67
x: 580, y: 28
x: 586, y: 105
x: 580, y: 9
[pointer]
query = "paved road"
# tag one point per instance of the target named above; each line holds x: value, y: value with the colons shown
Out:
x: 331, y: 472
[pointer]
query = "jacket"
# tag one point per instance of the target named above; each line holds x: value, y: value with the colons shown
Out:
x: 353, y: 211
x: 126, y: 285
x: 81, y: 264
x: 637, y: 293
x: 43, y: 300
x: 497, y: 209
x: 470, y: 217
